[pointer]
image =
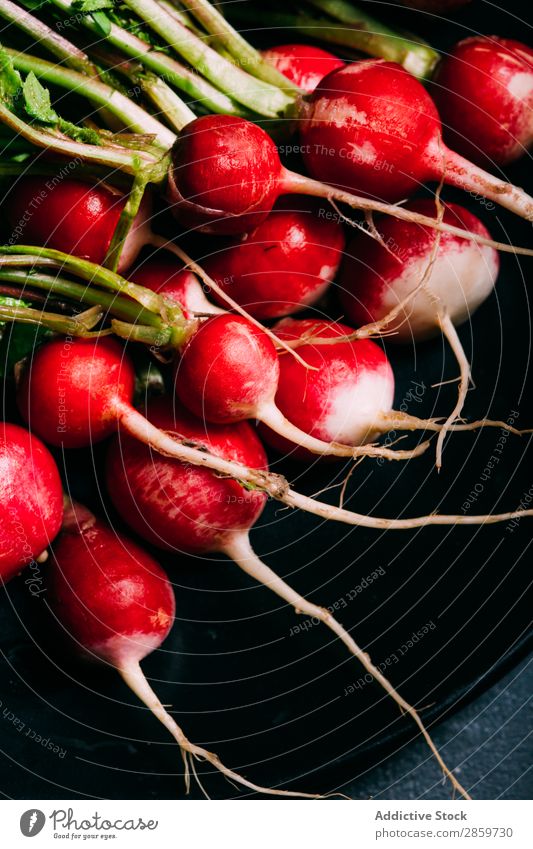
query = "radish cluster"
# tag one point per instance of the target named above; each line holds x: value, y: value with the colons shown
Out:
x: 189, y: 473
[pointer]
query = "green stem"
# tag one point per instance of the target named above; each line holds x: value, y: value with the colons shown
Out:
x: 49, y: 38
x: 125, y: 221
x: 237, y: 46
x: 129, y: 114
x: 171, y: 71
x: 168, y: 103
x: 25, y: 255
x: 417, y: 58
x: 116, y: 305
x: 253, y: 93
x: 109, y: 155
x: 79, y: 325
x: 377, y: 39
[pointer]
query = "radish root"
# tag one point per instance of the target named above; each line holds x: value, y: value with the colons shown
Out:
x: 135, y: 679
x: 240, y: 550
x: 159, y: 242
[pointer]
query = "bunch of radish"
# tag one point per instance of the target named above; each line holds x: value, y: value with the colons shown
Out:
x: 189, y: 474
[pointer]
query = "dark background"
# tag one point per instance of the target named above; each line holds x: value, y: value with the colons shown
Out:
x: 272, y: 704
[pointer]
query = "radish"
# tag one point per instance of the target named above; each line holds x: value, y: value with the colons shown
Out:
x: 371, y: 127
x: 116, y: 605
x: 31, y: 500
x: 226, y: 173
x: 484, y: 92
x: 229, y: 371
x: 77, y: 391
x: 303, y: 64
x: 285, y: 264
x: 76, y: 218
x: 160, y: 274
x: 181, y: 508
x: 348, y: 396
x: 416, y: 286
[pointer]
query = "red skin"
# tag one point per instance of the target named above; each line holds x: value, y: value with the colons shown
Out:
x: 303, y: 64
x: 31, y: 499
x: 74, y: 217
x: 225, y: 175
x: 483, y: 118
x: 177, y: 506
x: 227, y: 371
x: 72, y: 392
x: 113, y: 600
x: 310, y: 398
x: 163, y: 275
x: 283, y: 265
x: 371, y: 128
x: 369, y: 269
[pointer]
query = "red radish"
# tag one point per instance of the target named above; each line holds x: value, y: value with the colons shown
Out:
x: 160, y: 274
x: 285, y: 264
x: 77, y: 391
x: 371, y: 127
x: 52, y: 395
x: 226, y: 173
x: 484, y: 92
x: 303, y: 64
x: 181, y: 508
x: 427, y: 284
x: 116, y: 604
x: 229, y: 372
x: 76, y: 218
x: 31, y: 499
x: 347, y: 399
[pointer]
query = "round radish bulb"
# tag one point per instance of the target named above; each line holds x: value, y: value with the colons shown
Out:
x: 371, y: 127
x: 179, y: 507
x: 285, y: 264
x: 484, y: 92
x: 31, y: 499
x: 376, y: 277
x: 229, y: 371
x: 76, y: 218
x: 382, y: 276
x: 226, y: 173
x: 169, y: 504
x: 115, y: 603
x: 347, y: 398
x: 77, y: 391
x: 112, y: 599
x: 302, y: 64
x: 160, y: 274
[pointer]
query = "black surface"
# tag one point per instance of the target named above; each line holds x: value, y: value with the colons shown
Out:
x: 272, y: 703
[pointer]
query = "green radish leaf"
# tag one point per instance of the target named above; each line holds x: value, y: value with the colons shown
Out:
x: 92, y: 5
x: 19, y: 341
x: 37, y: 101
x: 102, y: 22
x: 81, y: 134
x: 10, y: 81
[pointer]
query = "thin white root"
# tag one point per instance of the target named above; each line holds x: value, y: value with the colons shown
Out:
x: 449, y: 331
x: 276, y: 421
x: 278, y: 487
x: 396, y: 420
x: 135, y: 679
x: 240, y: 550
x: 299, y: 184
x: 159, y: 242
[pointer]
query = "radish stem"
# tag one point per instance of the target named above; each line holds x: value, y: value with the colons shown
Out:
x: 253, y: 93
x: 237, y: 46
